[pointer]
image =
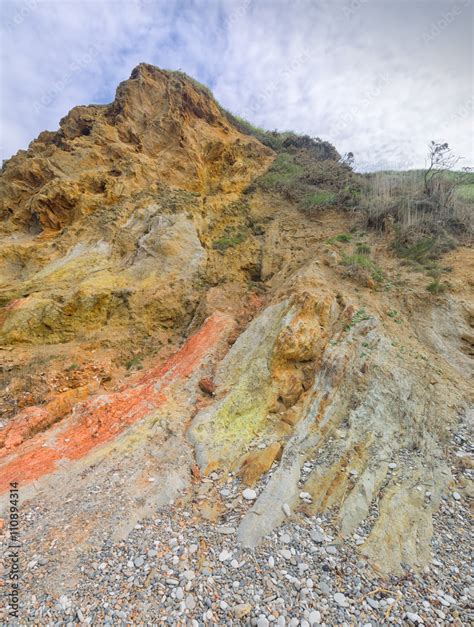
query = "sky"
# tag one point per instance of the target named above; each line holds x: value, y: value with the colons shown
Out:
x: 379, y: 78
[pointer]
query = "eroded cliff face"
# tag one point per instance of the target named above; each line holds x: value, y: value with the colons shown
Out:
x: 128, y: 242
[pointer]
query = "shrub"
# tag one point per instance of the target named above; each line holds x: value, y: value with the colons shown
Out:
x: 399, y: 198
x: 436, y: 287
x: 421, y: 251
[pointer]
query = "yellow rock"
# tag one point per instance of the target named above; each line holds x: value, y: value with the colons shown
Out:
x: 256, y: 463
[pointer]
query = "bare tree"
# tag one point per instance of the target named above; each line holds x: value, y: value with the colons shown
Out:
x: 441, y: 158
x: 348, y: 160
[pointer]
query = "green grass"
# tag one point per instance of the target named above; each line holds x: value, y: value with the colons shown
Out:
x: 318, y: 199
x: 341, y: 237
x: 231, y: 237
x: 134, y: 362
x: 362, y: 249
x: 436, y: 287
x: 423, y: 253
x: 283, y: 171
x: 72, y: 367
x: 466, y: 192
x: 359, y: 316
x: 362, y: 262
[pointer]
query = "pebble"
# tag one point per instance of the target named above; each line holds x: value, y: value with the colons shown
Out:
x: 341, y: 599
x: 286, y: 509
x: 241, y: 610
x: 249, y: 494
x: 392, y: 465
x: 413, y: 617
x: 456, y: 496
x: 190, y: 602
x: 317, y: 536
x: 226, y: 531
x: 225, y: 555
x: 189, y: 583
x: 263, y: 622
x: 323, y: 586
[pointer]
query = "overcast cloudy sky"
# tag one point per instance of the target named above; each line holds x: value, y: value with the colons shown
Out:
x: 378, y: 77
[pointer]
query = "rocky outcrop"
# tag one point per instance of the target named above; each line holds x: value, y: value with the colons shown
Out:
x: 162, y: 320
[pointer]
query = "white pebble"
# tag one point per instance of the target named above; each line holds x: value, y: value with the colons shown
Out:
x: 249, y: 494
x: 341, y: 599
x: 225, y: 555
x: 314, y: 617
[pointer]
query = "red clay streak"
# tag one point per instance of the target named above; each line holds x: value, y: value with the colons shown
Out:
x: 104, y: 416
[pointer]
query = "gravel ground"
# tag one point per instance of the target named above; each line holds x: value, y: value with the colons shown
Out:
x: 176, y: 568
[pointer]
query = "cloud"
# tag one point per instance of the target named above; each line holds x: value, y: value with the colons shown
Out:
x: 378, y: 78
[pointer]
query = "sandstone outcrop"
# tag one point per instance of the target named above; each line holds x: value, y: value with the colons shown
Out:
x: 162, y: 321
